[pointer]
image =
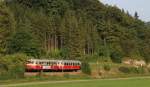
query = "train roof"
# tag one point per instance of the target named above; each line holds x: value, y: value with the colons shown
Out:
x: 45, y: 60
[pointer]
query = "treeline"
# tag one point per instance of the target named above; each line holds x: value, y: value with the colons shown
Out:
x: 71, y: 29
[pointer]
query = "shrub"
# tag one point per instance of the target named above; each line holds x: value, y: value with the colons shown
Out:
x: 124, y: 69
x: 107, y: 67
x: 135, y: 70
x: 55, y: 53
x: 141, y: 70
x: 12, y: 66
x: 86, y: 68
x: 116, y: 57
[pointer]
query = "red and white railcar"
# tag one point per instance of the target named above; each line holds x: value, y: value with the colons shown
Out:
x: 53, y: 65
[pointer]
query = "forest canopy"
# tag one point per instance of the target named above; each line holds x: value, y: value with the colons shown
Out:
x: 71, y: 29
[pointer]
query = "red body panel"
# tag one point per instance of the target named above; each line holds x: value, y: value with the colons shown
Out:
x: 40, y: 67
x: 70, y: 67
x: 33, y: 67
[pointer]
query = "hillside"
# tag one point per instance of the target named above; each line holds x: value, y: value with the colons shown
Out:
x: 85, y: 30
x: 69, y: 29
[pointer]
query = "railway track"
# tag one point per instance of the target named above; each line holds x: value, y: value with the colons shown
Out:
x: 51, y: 73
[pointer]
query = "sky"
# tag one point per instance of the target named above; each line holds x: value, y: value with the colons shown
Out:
x: 141, y: 6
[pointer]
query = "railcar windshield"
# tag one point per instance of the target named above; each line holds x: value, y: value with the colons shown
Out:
x: 29, y: 62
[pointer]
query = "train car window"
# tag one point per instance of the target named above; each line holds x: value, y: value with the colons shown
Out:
x: 44, y: 63
x: 36, y: 62
x: 75, y: 64
x: 40, y: 63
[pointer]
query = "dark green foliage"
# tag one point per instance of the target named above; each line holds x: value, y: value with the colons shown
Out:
x: 12, y: 66
x: 23, y: 42
x: 86, y: 68
x: 132, y: 70
x: 124, y: 69
x: 107, y: 67
x: 7, y: 25
x: 145, y: 52
x: 116, y: 57
x: 72, y: 29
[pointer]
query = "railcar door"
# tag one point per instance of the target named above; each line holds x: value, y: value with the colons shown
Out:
x: 61, y: 65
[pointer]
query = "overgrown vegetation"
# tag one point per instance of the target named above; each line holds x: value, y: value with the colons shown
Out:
x: 12, y: 66
x: 86, y: 68
x: 134, y: 70
x: 71, y: 29
x: 107, y: 67
x: 116, y: 57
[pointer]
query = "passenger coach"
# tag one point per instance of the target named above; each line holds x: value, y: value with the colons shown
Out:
x: 52, y: 65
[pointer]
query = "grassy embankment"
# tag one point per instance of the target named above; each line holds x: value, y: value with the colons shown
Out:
x: 98, y: 83
x: 98, y: 71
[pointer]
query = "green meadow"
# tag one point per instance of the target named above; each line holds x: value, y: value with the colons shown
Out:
x: 98, y: 83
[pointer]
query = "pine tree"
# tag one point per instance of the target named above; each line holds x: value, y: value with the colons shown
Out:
x: 72, y: 31
x: 7, y: 26
x: 136, y: 16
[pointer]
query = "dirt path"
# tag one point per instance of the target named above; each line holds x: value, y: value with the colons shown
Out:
x: 53, y: 82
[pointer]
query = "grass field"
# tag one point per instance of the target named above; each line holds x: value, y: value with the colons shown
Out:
x: 98, y: 83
